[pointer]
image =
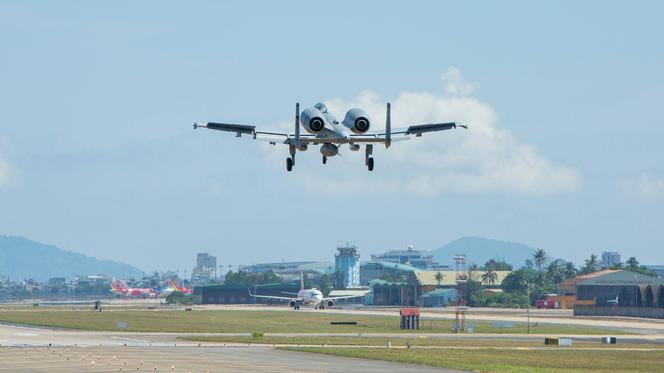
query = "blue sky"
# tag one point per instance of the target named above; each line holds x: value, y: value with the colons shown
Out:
x: 97, y: 153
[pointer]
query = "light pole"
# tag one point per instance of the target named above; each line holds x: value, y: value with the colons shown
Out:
x: 636, y: 280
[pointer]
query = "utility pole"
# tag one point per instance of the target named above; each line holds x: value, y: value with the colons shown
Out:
x: 528, y: 316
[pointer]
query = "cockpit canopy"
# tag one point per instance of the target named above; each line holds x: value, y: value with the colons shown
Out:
x: 321, y: 106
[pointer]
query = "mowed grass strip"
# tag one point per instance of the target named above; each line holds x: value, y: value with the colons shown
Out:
x: 450, y: 341
x: 488, y: 360
x: 232, y: 321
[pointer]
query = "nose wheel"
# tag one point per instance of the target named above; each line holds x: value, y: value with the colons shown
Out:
x: 289, y: 164
x: 370, y: 164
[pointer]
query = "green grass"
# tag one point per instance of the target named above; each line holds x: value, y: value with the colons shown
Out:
x: 232, y: 321
x: 521, y: 361
x: 447, y: 341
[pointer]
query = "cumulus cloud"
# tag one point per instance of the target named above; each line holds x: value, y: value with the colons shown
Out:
x: 483, y: 159
x: 647, y: 186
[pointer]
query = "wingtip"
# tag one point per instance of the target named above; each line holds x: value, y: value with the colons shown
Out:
x: 462, y: 125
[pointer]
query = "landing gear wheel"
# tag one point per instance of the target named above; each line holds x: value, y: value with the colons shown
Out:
x: 370, y: 163
x: 324, y: 159
x: 289, y: 164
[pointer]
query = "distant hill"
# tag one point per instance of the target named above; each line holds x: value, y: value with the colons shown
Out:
x: 22, y: 258
x: 479, y: 250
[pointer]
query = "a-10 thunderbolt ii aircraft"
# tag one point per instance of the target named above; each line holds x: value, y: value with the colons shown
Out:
x: 325, y: 130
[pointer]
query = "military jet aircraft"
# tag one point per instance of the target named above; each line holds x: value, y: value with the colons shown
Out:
x: 325, y: 130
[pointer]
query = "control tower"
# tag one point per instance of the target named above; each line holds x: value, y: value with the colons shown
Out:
x: 347, y: 264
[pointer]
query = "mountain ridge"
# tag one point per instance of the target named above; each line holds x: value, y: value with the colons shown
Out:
x: 479, y: 250
x: 22, y: 258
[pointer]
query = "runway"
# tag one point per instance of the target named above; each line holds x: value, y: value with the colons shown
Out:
x: 26, y: 349
x: 544, y: 316
x: 187, y: 359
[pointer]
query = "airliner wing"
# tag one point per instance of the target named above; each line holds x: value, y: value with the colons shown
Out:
x: 271, y: 297
x: 344, y: 297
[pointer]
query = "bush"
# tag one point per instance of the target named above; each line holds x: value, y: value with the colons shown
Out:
x: 178, y: 297
x: 502, y: 300
x: 256, y: 335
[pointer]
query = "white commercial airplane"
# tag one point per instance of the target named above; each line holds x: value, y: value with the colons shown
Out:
x: 325, y: 130
x: 308, y: 297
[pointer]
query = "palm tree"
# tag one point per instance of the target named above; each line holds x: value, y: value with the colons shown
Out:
x: 489, y: 277
x: 439, y: 276
x: 569, y: 270
x: 539, y: 258
x: 632, y: 264
x: 591, y: 264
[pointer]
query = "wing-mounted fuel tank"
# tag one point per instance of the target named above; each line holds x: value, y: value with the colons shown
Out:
x: 357, y: 120
x: 313, y: 120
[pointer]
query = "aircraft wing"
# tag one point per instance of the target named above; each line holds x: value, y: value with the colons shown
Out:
x: 272, y: 297
x: 419, y: 129
x: 344, y: 297
x: 369, y: 137
x: 402, y: 134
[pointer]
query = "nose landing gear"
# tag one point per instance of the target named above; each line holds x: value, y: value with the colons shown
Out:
x: 324, y: 159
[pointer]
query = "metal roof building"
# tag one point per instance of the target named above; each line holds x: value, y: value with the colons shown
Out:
x: 630, y: 289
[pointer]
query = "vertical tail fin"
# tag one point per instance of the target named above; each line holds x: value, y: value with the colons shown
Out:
x: 388, y: 127
x: 301, y: 280
x: 297, y: 124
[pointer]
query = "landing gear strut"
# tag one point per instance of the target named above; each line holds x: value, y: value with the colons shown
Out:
x: 368, y: 160
x: 290, y: 161
x: 324, y: 159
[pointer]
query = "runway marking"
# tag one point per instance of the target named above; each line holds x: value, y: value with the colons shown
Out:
x: 130, y: 339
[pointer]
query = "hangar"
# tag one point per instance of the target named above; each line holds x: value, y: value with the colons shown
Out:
x: 618, y: 293
x: 239, y: 294
x: 630, y: 289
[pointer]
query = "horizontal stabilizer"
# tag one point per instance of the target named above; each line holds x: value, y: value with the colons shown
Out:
x: 228, y: 127
x: 421, y: 128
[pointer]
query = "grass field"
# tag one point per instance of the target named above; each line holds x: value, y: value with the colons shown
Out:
x: 233, y: 321
x: 448, y: 341
x: 522, y: 361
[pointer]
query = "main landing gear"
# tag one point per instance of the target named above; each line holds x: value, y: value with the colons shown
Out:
x: 324, y: 159
x: 290, y: 161
x: 368, y: 160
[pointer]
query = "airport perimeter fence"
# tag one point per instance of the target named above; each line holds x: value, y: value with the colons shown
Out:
x: 646, y: 312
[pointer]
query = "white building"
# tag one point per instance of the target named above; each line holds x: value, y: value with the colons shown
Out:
x: 610, y: 259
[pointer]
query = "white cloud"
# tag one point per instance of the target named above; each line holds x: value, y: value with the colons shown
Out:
x: 4, y: 168
x: 483, y: 159
x: 648, y: 186
x: 454, y: 84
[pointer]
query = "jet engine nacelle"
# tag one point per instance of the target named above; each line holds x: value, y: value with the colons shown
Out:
x: 357, y: 120
x: 330, y: 303
x: 292, y: 303
x: 312, y: 120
